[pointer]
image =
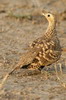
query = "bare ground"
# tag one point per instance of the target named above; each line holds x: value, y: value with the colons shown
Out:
x: 20, y: 24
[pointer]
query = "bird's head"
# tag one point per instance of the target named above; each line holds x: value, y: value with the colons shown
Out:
x: 49, y: 16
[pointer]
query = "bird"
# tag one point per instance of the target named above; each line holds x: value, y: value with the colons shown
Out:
x: 45, y: 50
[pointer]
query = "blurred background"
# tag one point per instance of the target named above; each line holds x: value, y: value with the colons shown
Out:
x: 20, y: 24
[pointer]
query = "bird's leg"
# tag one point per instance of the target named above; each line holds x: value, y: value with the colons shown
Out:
x: 60, y: 66
x: 55, y: 66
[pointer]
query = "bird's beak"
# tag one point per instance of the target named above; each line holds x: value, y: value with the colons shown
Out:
x: 43, y: 12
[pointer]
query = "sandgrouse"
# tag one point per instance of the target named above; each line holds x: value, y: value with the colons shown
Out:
x: 45, y: 50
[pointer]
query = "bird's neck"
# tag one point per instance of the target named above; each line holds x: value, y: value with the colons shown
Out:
x: 51, y: 30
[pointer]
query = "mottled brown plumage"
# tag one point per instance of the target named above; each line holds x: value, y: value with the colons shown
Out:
x: 44, y: 50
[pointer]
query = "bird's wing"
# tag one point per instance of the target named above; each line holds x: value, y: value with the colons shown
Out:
x: 35, y: 48
x: 38, y: 42
x: 27, y: 58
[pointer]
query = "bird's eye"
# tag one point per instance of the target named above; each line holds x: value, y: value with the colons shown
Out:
x: 48, y: 15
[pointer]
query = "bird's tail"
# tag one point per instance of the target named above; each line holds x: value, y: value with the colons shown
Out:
x: 26, y: 58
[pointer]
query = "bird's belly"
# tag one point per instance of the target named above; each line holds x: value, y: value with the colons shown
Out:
x: 49, y: 57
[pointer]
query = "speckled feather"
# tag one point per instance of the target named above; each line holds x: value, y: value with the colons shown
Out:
x: 44, y: 50
x: 49, y: 48
x: 48, y: 52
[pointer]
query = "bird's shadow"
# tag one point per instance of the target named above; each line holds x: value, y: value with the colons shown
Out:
x: 24, y: 71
